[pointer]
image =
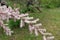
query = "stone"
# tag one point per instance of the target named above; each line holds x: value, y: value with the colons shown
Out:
x: 31, y: 28
x: 44, y: 38
x: 22, y: 23
x: 34, y: 21
x: 23, y: 15
x: 38, y: 24
x: 36, y: 32
x: 43, y: 30
x: 50, y: 38
x: 27, y: 18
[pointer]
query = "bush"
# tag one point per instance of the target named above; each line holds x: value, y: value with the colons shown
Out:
x: 13, y: 24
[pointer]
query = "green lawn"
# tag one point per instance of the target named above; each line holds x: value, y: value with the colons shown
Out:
x: 50, y: 18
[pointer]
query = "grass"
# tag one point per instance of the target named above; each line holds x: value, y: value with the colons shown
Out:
x: 50, y: 18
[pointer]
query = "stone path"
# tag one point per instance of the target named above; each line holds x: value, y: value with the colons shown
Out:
x: 8, y: 13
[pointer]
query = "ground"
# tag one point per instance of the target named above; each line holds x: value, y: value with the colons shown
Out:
x: 50, y: 18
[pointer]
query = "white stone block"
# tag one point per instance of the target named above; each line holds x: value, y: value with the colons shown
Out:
x: 43, y: 30
x: 22, y: 23
x: 26, y: 21
x: 45, y: 33
x: 10, y: 33
x: 23, y: 15
x: 38, y: 25
x: 34, y: 21
x: 50, y: 38
x: 44, y: 38
x: 27, y: 18
x: 36, y: 32
x: 30, y: 29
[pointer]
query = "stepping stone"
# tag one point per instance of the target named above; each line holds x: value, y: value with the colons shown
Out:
x: 22, y: 23
x: 44, y: 38
x: 8, y: 31
x: 44, y: 30
x: 31, y: 28
x: 27, y: 18
x: 45, y: 33
x: 23, y: 15
x: 50, y: 38
x: 34, y: 21
x: 36, y: 32
x: 24, y: 19
x: 37, y: 25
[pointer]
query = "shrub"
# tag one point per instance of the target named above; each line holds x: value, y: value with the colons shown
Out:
x: 13, y: 24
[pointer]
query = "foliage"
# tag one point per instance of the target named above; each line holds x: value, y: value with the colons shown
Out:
x: 43, y: 3
x: 13, y: 24
x: 50, y: 3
